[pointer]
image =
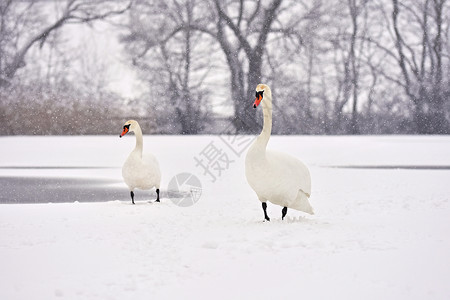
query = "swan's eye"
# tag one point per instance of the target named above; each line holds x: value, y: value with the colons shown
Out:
x: 126, y: 126
x: 258, y: 94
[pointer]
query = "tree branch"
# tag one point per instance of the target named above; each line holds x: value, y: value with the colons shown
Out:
x: 243, y: 41
x: 72, y: 7
x: 398, y: 44
x: 267, y: 24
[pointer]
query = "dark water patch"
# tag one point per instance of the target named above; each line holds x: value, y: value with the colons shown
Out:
x: 59, y: 190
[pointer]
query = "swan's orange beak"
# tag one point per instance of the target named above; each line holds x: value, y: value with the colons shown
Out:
x: 257, y: 100
x: 125, y: 130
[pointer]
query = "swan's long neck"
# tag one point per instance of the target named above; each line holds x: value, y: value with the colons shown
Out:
x: 266, y: 103
x: 139, y: 141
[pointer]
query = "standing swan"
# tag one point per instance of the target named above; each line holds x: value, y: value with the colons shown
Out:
x: 275, y: 176
x: 140, y: 170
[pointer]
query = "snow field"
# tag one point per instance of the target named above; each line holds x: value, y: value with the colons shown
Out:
x: 377, y: 233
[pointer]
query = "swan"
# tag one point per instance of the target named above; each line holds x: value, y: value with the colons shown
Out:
x: 274, y: 176
x: 140, y: 170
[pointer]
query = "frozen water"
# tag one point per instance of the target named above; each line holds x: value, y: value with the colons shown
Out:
x: 378, y: 233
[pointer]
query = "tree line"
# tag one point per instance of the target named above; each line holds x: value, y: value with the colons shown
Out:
x: 335, y: 67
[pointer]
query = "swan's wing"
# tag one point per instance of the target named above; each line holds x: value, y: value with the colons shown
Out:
x: 152, y: 165
x: 291, y: 169
x: 150, y: 160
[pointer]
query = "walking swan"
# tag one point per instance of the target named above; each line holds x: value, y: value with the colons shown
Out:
x: 140, y: 170
x: 274, y: 176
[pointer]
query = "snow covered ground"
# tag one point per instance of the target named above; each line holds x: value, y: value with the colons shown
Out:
x: 381, y: 229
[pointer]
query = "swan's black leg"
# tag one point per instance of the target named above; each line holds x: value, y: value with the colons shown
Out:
x: 157, y: 195
x: 132, y: 197
x: 283, y: 212
x: 264, y: 206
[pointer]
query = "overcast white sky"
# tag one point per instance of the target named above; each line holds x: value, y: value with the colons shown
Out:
x: 102, y: 42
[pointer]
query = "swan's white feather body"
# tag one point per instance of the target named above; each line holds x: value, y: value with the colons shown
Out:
x: 276, y: 177
x: 141, y: 172
x: 280, y: 179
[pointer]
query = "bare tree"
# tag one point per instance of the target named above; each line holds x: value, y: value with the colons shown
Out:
x: 422, y: 66
x: 173, y: 58
x: 334, y: 68
x: 16, y: 24
x: 354, y: 9
x: 258, y: 27
x: 242, y: 29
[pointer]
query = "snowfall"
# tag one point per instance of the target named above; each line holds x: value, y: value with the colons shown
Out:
x: 381, y: 228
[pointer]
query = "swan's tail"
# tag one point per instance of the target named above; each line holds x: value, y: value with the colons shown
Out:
x: 302, y: 203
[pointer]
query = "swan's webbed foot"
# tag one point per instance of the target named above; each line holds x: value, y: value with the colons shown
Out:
x: 264, y: 206
x: 157, y: 195
x: 132, y: 197
x: 283, y: 212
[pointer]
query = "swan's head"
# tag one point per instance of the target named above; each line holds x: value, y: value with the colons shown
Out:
x: 260, y: 90
x: 129, y: 126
